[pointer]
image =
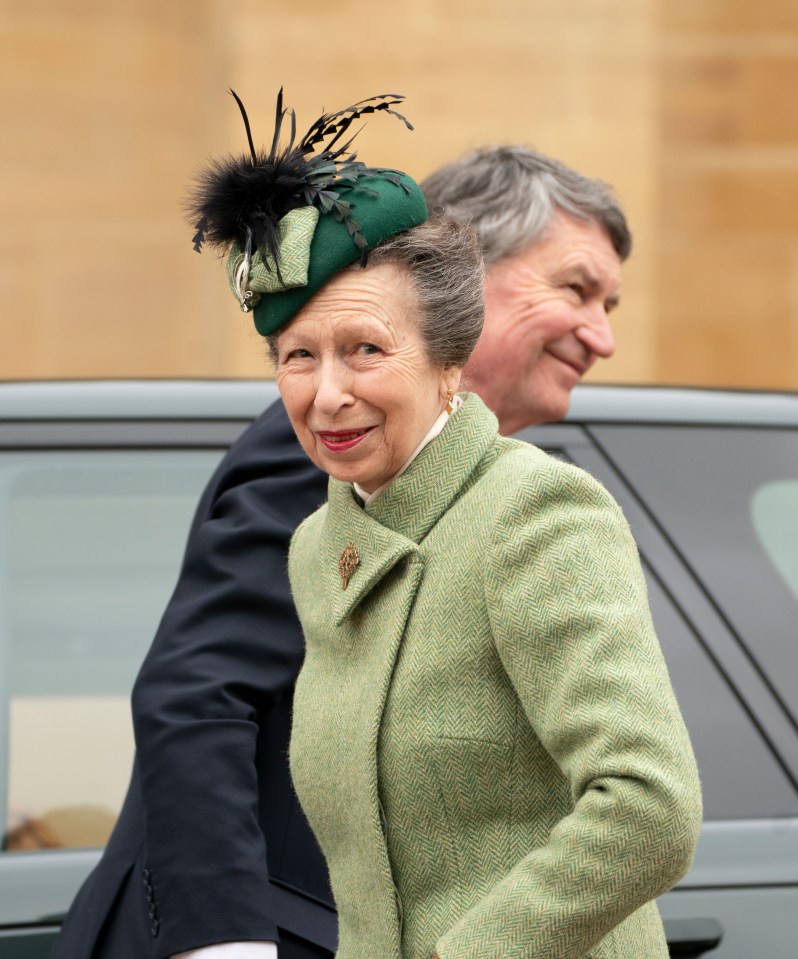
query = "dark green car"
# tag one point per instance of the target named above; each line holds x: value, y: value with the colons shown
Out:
x: 98, y: 482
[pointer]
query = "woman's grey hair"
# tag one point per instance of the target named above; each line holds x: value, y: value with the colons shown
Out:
x: 510, y: 193
x: 444, y: 259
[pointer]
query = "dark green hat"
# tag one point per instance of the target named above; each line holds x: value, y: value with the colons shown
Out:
x: 294, y: 218
x: 385, y: 210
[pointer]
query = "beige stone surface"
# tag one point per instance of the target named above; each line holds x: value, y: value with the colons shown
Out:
x: 726, y: 279
x: 108, y: 108
x: 745, y: 310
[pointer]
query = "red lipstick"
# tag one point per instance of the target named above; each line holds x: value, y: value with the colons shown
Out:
x: 339, y: 441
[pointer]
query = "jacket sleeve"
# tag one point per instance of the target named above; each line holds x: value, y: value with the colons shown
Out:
x: 568, y: 608
x: 227, y: 649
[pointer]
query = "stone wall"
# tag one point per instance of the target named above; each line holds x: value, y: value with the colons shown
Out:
x: 106, y: 109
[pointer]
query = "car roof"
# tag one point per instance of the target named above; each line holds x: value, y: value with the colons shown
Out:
x: 664, y: 404
x: 135, y: 399
x: 245, y: 399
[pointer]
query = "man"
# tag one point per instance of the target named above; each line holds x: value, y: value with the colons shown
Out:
x: 553, y: 242
x: 221, y: 866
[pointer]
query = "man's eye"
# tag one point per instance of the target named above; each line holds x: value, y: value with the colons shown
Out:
x: 577, y: 288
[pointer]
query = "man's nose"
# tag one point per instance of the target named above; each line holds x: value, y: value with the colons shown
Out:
x: 596, y: 333
x: 333, y: 388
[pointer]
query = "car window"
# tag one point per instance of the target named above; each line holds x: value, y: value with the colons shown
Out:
x: 774, y: 512
x: 725, y: 741
x: 740, y: 778
x: 727, y: 499
x: 91, y: 546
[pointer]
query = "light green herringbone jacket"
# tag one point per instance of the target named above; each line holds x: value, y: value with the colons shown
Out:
x: 486, y: 742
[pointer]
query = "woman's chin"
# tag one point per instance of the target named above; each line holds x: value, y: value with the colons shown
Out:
x: 367, y: 479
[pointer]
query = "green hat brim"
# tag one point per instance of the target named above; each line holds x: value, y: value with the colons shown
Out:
x: 393, y: 210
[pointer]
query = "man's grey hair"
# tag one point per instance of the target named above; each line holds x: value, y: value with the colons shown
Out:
x: 444, y: 260
x: 510, y: 193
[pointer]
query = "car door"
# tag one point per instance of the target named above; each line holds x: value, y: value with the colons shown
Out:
x: 93, y: 520
x: 715, y: 513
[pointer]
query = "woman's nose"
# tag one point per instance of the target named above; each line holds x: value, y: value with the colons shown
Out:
x: 333, y: 389
x: 596, y: 333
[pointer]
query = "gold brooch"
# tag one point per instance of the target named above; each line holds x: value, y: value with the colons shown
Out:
x: 347, y: 563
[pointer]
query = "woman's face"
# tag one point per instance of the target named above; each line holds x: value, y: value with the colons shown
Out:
x: 355, y: 378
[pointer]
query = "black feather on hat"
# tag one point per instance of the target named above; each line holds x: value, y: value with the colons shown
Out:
x: 242, y: 199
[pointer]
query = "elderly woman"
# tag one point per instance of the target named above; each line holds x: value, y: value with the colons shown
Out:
x: 485, y: 738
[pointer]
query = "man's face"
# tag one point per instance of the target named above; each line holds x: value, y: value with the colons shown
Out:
x: 546, y: 322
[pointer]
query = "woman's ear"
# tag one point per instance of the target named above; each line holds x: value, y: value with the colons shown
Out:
x: 450, y: 380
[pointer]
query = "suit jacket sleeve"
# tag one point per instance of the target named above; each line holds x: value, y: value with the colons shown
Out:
x: 569, y: 614
x: 228, y: 647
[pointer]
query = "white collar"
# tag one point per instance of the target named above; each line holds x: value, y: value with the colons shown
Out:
x: 437, y: 427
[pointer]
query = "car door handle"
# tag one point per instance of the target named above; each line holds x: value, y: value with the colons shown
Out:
x: 690, y: 938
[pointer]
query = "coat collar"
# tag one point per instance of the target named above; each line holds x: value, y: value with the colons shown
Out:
x: 391, y: 528
x: 417, y: 499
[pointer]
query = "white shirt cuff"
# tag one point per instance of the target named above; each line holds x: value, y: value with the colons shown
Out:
x: 232, y: 950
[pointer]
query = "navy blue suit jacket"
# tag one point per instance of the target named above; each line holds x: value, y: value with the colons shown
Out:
x: 211, y: 845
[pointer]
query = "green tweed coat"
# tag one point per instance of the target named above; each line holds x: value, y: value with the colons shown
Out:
x: 486, y: 742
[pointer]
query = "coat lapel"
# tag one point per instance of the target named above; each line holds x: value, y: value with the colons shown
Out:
x: 379, y: 549
x: 392, y: 527
x: 415, y: 501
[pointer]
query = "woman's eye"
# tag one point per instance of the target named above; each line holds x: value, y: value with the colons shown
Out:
x: 298, y: 354
x: 369, y: 349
